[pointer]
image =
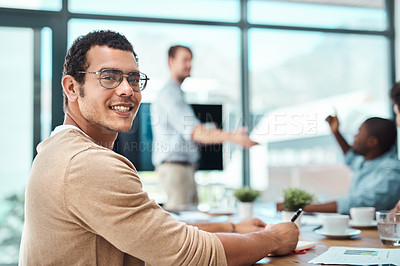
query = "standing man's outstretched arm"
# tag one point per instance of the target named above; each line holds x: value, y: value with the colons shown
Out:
x: 206, y: 135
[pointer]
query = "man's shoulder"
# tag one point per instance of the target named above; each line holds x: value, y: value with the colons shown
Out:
x: 389, y: 162
x: 72, y: 139
x: 69, y: 143
x: 170, y: 87
x: 353, y: 159
x: 171, y: 95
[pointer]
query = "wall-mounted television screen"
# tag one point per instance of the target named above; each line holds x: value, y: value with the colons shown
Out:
x: 136, y: 144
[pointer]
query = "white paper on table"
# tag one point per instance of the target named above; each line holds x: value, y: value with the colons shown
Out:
x: 358, y: 256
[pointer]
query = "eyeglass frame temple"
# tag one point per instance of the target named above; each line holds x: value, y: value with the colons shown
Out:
x: 123, y: 75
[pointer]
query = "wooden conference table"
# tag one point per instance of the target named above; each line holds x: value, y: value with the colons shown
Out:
x: 369, y: 238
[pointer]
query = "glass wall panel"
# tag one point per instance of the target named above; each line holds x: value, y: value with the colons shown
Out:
x: 297, y: 80
x: 45, y: 78
x: 16, y: 90
x: 369, y: 15
x: 215, y: 75
x: 212, y: 10
x: 52, y: 5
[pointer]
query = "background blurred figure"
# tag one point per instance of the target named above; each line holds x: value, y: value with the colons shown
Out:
x: 177, y: 133
x: 376, y: 169
x: 395, y: 96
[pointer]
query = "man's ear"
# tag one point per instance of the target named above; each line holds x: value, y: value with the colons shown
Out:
x: 70, y: 87
x: 372, y: 142
x: 170, y: 59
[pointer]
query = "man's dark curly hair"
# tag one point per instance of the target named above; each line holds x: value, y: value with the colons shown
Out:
x: 76, y: 59
x: 384, y: 130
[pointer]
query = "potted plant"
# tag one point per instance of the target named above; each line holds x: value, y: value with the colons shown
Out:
x: 294, y: 199
x: 246, y: 197
x: 11, y: 226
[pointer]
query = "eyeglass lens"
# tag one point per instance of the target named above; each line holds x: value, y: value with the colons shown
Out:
x: 111, y: 78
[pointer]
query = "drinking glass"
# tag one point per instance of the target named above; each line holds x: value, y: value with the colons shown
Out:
x: 389, y: 227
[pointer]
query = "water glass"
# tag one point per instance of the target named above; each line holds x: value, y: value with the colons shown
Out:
x: 389, y: 227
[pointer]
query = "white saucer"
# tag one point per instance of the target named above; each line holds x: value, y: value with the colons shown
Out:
x: 348, y: 233
x: 221, y: 212
x: 371, y: 224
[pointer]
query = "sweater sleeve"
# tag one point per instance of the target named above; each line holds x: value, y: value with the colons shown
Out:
x: 104, y: 195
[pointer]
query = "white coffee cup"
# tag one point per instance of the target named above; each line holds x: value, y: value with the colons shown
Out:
x: 335, y: 223
x: 362, y: 215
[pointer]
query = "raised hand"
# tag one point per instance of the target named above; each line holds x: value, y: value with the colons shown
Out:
x: 333, y: 123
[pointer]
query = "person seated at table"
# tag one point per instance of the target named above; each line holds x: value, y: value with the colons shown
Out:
x: 395, y: 97
x: 85, y: 204
x: 376, y: 169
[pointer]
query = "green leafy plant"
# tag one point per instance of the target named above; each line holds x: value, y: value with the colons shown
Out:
x: 12, y: 222
x: 246, y: 194
x: 295, y: 198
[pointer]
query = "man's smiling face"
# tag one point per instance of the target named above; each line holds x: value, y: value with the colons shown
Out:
x: 109, y: 109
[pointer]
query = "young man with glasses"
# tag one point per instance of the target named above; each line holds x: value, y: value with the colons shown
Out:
x: 85, y: 204
x: 177, y: 133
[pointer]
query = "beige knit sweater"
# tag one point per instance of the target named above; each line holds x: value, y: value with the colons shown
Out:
x: 85, y: 206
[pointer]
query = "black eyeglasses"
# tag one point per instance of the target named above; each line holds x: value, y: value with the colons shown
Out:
x: 111, y: 78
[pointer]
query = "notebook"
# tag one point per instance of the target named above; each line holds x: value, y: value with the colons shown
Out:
x: 304, y: 245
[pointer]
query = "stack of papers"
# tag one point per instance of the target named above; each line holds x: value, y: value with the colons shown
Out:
x: 358, y: 256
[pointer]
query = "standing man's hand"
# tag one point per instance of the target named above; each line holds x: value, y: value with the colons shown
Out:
x: 241, y: 138
x: 250, y: 225
x: 288, y: 235
x: 333, y: 123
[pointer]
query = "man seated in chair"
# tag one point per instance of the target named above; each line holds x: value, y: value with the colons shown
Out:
x: 395, y: 97
x: 376, y: 169
x: 85, y: 204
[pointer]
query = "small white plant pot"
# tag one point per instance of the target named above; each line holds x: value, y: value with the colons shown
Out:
x: 287, y: 216
x: 245, y: 210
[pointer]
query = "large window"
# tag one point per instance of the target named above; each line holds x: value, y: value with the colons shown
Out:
x: 23, y: 117
x: 299, y: 78
x: 366, y: 15
x: 284, y: 66
x: 17, y: 133
x: 213, y: 10
x: 53, y: 5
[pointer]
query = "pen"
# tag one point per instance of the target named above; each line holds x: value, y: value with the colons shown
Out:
x: 297, y: 214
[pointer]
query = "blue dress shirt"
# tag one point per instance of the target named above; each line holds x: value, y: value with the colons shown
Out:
x: 172, y: 122
x: 375, y: 183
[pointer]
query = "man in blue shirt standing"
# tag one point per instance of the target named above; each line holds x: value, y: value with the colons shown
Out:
x: 376, y: 169
x: 177, y: 133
